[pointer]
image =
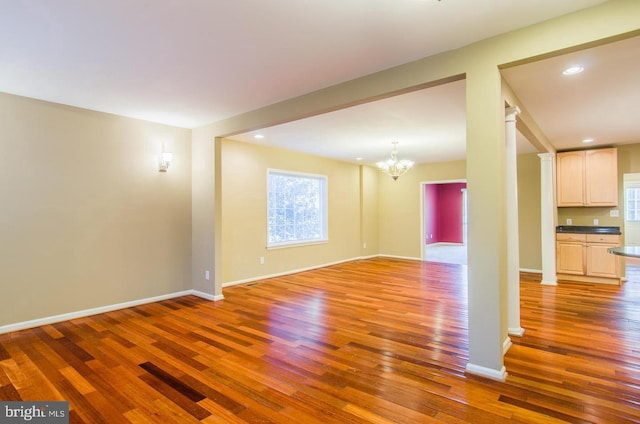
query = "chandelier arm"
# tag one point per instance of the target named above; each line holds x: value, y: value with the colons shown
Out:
x: 394, y: 167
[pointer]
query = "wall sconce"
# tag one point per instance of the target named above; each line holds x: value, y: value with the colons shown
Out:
x: 165, y: 161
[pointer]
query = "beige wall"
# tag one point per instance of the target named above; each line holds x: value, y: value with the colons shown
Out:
x: 244, y: 211
x: 369, y: 210
x: 86, y: 218
x: 399, y: 209
x: 203, y: 204
x: 529, y: 212
x: 384, y: 227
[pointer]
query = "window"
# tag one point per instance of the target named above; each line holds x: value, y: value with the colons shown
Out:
x: 633, y: 203
x: 296, y: 208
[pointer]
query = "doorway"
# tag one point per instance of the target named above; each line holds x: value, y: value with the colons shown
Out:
x: 444, y: 222
x: 631, y: 209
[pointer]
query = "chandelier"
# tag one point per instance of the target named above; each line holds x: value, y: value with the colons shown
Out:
x: 393, y: 166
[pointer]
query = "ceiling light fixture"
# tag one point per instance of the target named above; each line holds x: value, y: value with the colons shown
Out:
x: 394, y: 167
x: 588, y: 140
x: 258, y: 136
x: 573, y: 70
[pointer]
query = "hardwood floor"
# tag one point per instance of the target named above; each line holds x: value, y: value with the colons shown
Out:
x: 372, y: 341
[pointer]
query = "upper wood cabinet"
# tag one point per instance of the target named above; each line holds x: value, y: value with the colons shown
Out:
x: 588, y: 178
x: 570, y: 167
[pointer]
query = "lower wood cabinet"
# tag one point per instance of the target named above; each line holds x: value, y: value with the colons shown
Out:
x: 585, y: 257
x: 571, y: 254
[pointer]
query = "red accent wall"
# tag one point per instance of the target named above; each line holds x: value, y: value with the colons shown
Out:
x: 443, y: 213
x: 450, y: 212
x: 431, y: 213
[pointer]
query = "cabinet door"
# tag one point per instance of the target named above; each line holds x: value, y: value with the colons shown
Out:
x: 601, y: 263
x: 601, y: 177
x: 570, y: 258
x: 570, y: 186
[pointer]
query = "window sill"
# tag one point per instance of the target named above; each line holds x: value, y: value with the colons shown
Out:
x: 295, y: 244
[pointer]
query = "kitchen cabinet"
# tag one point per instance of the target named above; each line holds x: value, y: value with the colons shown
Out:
x: 585, y: 257
x: 571, y: 254
x: 587, y: 178
x: 601, y: 263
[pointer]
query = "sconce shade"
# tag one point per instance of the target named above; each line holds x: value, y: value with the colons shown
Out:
x: 165, y: 161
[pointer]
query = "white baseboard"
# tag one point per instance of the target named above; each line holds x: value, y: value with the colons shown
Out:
x: 369, y: 256
x: 518, y: 332
x: 533, y: 271
x: 410, y: 258
x: 506, y: 345
x: 444, y: 243
x: 207, y: 296
x: 498, y: 375
x: 293, y: 271
x: 101, y: 309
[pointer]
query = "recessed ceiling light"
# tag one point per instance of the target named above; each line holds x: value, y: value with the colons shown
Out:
x: 573, y: 70
x: 358, y: 159
x: 588, y: 140
x: 258, y: 136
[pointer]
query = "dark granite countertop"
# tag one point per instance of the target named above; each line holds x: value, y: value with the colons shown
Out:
x: 586, y: 229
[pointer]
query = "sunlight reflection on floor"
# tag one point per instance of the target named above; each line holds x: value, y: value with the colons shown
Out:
x: 446, y: 253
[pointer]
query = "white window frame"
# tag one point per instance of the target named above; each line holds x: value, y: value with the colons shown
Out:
x: 632, y: 213
x: 323, y: 209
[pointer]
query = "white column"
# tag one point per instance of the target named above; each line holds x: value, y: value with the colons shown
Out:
x: 548, y: 224
x: 513, y: 240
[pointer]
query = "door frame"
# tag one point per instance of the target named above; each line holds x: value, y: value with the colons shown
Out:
x: 422, y: 210
x: 629, y: 180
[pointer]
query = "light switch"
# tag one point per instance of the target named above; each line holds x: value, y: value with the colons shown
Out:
x: 595, y: 221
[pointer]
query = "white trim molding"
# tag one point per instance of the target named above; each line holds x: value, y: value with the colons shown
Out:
x: 280, y: 274
x: 506, y: 345
x: 295, y: 271
x: 498, y: 375
x: 207, y: 296
x: 102, y: 309
x: 410, y: 258
x: 518, y: 332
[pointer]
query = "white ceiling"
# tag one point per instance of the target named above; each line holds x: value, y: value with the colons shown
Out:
x: 429, y: 125
x: 190, y: 63
x: 602, y: 103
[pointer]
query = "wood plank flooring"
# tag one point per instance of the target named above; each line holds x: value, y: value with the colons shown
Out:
x: 374, y: 341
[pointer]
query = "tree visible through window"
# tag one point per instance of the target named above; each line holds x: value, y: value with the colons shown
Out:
x: 296, y: 208
x: 633, y: 204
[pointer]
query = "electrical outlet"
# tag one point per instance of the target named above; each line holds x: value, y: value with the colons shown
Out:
x: 206, y: 275
x: 614, y: 213
x: 569, y: 221
x: 595, y: 221
x: 261, y: 260
x: 364, y: 245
